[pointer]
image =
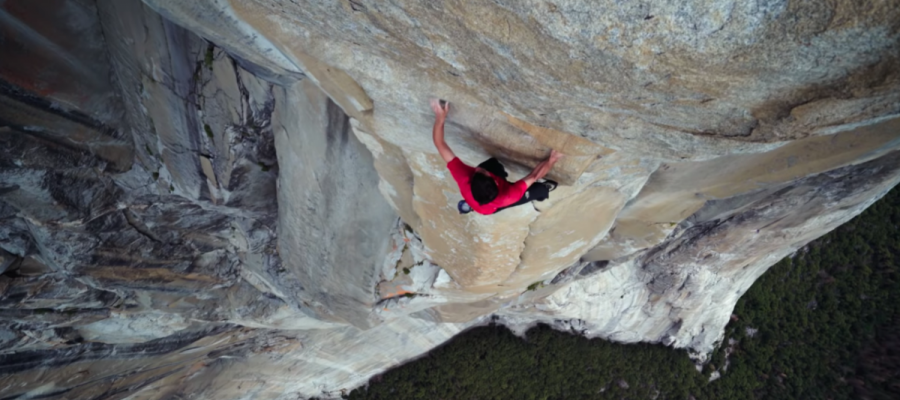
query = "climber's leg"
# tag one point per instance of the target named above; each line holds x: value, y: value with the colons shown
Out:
x: 539, y: 191
x: 493, y: 166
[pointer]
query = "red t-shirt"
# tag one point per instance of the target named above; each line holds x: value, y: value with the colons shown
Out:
x: 507, y: 193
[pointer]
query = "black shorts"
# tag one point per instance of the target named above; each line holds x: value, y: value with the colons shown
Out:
x: 537, y: 192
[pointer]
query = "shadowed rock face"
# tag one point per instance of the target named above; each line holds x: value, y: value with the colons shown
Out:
x: 201, y: 199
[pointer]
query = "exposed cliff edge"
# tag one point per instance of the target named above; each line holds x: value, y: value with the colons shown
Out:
x: 240, y: 199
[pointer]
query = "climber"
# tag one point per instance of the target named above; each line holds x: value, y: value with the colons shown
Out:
x: 485, y: 188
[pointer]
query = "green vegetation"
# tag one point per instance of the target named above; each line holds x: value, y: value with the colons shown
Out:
x: 827, y: 321
x: 209, y: 132
x: 208, y: 57
x: 820, y: 313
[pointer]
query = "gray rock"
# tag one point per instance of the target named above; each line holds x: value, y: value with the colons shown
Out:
x: 200, y: 199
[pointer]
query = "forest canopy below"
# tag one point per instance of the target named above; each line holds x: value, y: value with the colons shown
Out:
x: 822, y: 324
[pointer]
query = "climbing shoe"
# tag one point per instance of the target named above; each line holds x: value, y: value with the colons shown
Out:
x: 551, y: 185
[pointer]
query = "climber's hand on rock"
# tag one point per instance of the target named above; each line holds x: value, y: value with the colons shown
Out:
x: 555, y: 156
x: 542, y: 168
x: 439, y: 111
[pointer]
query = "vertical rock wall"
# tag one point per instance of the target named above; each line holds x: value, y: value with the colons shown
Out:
x: 332, y: 220
x: 662, y: 108
x: 162, y: 275
x: 201, y: 199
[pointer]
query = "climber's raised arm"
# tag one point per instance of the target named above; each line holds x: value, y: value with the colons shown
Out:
x: 441, y: 109
x: 543, y: 168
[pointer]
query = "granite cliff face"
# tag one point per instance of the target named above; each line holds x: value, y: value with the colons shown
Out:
x: 240, y: 199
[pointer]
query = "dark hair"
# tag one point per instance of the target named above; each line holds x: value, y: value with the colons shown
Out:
x: 484, y: 189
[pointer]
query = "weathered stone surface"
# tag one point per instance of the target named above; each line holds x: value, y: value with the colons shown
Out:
x: 332, y: 219
x: 678, y: 190
x: 202, y: 223
x: 564, y: 232
x: 58, y: 51
x: 662, y: 79
x: 54, y: 79
x: 675, y: 291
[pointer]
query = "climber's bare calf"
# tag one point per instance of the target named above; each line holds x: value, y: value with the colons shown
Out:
x: 485, y: 188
